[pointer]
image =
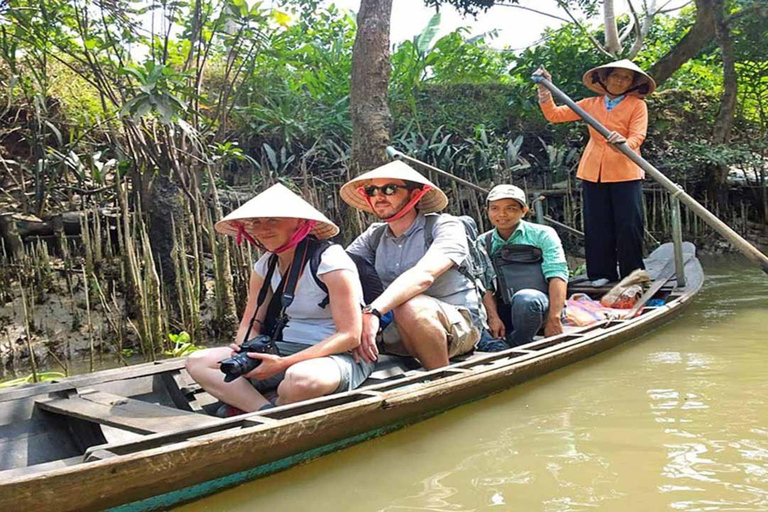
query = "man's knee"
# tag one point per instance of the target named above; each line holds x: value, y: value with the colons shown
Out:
x: 415, y: 311
x: 529, y: 301
x: 418, y: 316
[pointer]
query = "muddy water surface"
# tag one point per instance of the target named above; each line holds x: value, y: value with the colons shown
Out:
x: 677, y: 420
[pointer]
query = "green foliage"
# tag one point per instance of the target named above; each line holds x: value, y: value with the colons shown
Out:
x: 299, y: 90
x: 700, y: 160
x: 750, y: 36
x: 567, y: 54
x: 29, y: 379
x: 158, y: 88
x: 469, y: 61
x: 458, y: 107
x: 182, y: 345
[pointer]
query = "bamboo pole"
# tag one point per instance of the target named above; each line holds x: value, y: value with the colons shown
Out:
x: 86, y: 285
x: 747, y: 249
x: 28, y: 331
x: 392, y: 152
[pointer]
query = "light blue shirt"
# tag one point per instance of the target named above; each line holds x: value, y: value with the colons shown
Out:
x: 611, y: 104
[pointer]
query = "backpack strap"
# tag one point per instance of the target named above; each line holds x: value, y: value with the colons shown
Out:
x: 488, y: 242
x: 376, y: 235
x: 429, y: 225
x: 314, y: 265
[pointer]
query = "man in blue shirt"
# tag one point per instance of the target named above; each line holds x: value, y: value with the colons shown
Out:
x: 437, y: 310
x: 527, y: 274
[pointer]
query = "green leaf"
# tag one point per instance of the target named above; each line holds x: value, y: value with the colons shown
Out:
x: 55, y: 131
x: 424, y: 40
x: 143, y: 108
x: 135, y: 72
x: 271, y: 155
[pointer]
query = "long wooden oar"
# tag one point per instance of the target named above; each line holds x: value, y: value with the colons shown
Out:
x: 744, y: 247
x: 393, y: 153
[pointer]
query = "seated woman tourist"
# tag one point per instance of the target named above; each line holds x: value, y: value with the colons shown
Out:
x: 314, y: 346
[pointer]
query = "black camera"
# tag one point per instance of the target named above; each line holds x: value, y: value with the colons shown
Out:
x: 240, y: 364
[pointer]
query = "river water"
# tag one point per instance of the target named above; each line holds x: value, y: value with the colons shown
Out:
x: 676, y: 420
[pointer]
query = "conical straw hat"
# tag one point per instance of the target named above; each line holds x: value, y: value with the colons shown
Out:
x: 276, y: 201
x: 433, y: 201
x: 594, y: 76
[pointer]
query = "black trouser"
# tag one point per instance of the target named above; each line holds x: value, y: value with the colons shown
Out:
x: 613, y: 228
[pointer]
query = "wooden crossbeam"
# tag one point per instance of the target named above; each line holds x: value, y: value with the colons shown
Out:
x: 125, y: 413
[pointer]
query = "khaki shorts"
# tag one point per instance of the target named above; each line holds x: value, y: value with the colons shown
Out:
x: 457, y: 323
x: 351, y: 373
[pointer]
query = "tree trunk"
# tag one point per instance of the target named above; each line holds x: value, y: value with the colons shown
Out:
x: 368, y: 105
x: 690, y: 45
x: 724, y: 121
x: 165, y: 206
x: 612, y: 43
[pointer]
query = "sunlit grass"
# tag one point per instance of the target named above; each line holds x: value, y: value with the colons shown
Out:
x: 29, y: 379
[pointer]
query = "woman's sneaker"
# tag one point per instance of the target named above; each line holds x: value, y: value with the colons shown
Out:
x: 597, y: 283
x: 227, y: 411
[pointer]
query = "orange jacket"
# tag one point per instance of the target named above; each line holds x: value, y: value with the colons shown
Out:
x: 601, y: 161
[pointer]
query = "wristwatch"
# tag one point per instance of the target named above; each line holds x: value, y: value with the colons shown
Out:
x: 368, y: 309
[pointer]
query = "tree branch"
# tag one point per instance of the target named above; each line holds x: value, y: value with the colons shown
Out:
x: 553, y: 16
x: 581, y: 27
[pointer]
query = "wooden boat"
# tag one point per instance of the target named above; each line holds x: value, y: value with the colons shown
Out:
x: 136, y: 438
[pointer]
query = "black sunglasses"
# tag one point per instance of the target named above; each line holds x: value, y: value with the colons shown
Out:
x: 388, y: 190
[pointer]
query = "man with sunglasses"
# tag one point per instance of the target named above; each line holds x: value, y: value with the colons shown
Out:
x: 417, y: 254
x: 527, y: 276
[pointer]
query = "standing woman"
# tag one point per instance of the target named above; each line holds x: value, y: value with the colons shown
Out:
x: 611, y: 182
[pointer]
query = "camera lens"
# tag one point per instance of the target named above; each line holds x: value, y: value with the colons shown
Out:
x: 240, y: 364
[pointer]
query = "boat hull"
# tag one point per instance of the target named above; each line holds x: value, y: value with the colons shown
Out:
x: 173, y: 471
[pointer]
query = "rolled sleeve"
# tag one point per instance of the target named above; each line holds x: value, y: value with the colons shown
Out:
x: 554, y: 263
x: 449, y: 239
x: 559, y: 114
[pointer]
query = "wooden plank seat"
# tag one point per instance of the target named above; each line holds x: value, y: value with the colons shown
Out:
x: 125, y: 413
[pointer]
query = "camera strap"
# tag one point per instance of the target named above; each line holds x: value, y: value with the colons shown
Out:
x: 276, y: 318
x: 262, y: 294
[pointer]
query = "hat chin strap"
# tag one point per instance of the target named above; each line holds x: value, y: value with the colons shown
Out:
x: 405, y: 209
x: 298, y: 235
x: 242, y: 233
x: 596, y: 79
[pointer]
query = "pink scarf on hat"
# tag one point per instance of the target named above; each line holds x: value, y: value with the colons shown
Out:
x: 300, y: 234
x: 408, y: 207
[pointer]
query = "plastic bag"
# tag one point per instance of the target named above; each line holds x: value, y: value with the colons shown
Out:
x: 625, y: 294
x: 626, y: 298
x: 580, y: 310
